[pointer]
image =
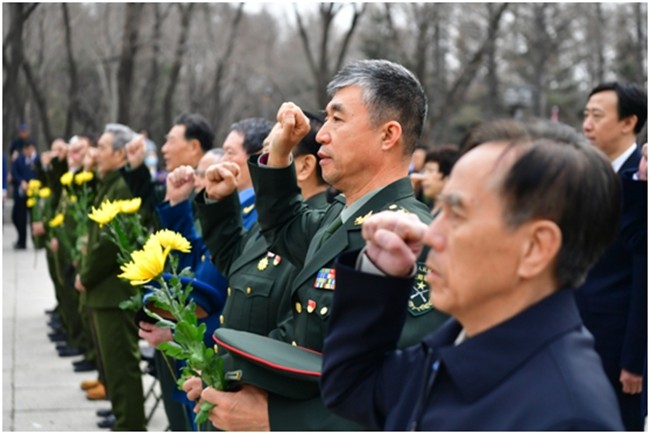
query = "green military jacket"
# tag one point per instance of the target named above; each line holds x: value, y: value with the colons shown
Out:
x: 258, y: 280
x: 295, y: 232
x: 99, y: 267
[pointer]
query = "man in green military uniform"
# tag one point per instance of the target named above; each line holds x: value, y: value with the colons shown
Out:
x: 258, y: 279
x: 116, y: 332
x: 373, y: 121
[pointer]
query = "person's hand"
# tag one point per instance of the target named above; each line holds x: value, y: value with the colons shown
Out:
x: 643, y: 164
x: 416, y: 180
x: 632, y: 383
x: 38, y: 229
x: 154, y: 335
x: 393, y: 241
x: 135, y: 151
x: 78, y: 285
x: 221, y: 180
x: 244, y: 410
x: 54, y: 244
x: 46, y: 158
x: 193, y: 387
x: 294, y: 125
x: 180, y: 184
x: 24, y: 185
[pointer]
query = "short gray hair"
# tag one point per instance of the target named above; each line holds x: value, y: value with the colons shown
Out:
x: 121, y: 135
x: 390, y: 92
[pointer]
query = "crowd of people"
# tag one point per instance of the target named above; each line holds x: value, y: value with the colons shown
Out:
x: 350, y: 278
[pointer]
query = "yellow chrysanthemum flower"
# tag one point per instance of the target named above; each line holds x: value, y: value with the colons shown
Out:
x: 34, y: 184
x: 129, y: 206
x: 56, y: 221
x: 145, y: 265
x: 31, y: 202
x: 44, y: 192
x: 66, y: 179
x: 172, y: 240
x: 105, y: 214
x: 73, y: 198
x: 83, y: 177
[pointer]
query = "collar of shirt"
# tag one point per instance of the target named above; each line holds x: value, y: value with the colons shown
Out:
x: 349, y: 211
x: 620, y: 160
x: 246, y: 195
x: 481, y: 362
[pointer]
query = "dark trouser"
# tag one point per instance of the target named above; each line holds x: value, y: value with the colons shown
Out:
x: 19, y: 218
x: 117, y: 338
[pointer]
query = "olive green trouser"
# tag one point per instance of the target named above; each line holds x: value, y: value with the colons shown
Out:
x: 117, y: 345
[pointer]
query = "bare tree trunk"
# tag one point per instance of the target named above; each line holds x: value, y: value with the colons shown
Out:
x: 600, y: 46
x: 186, y: 13
x: 72, y: 68
x: 457, y: 92
x: 127, y: 61
x: 322, y: 71
x: 640, y: 43
x: 13, y: 55
x: 41, y: 103
x: 221, y: 70
x: 492, y: 101
x: 160, y: 13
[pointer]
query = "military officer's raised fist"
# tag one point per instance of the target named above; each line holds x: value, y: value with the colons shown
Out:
x: 221, y: 180
x: 180, y: 184
x: 135, y: 151
x: 293, y: 126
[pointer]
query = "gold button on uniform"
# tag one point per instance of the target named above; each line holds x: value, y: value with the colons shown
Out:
x: 323, y: 311
x: 248, y: 290
x: 294, y: 343
x: 221, y: 319
x: 229, y: 291
x: 298, y: 307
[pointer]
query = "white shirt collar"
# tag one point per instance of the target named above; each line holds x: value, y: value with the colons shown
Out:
x: 618, y: 163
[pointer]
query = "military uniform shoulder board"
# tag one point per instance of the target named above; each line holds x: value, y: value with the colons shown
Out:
x: 419, y: 302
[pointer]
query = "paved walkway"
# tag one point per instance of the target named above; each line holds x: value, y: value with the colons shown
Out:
x: 40, y: 391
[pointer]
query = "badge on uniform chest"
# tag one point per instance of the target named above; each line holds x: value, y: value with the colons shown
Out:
x: 325, y: 279
x: 264, y: 262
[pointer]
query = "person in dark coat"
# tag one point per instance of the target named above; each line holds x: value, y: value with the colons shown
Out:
x: 505, y: 250
x: 23, y: 169
x: 613, y: 300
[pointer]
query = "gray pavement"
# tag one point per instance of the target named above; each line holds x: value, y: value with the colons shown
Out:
x: 40, y: 391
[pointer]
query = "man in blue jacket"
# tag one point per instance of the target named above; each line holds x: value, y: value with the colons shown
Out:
x: 613, y: 301
x: 505, y: 249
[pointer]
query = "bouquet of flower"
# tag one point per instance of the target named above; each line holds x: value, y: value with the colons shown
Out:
x: 172, y: 296
x: 39, y: 201
x: 77, y: 199
x: 124, y: 228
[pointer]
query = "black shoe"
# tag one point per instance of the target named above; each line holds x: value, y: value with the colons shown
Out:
x: 20, y: 246
x: 57, y: 336
x: 104, y: 412
x: 69, y: 352
x: 107, y: 423
x: 51, y: 312
x: 84, y: 366
x: 80, y: 362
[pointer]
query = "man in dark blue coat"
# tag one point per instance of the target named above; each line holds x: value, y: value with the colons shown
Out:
x: 23, y: 169
x: 613, y: 300
x: 505, y: 249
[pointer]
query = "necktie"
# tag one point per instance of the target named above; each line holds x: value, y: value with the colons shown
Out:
x: 331, y: 229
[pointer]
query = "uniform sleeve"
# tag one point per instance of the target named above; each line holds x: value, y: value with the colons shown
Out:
x: 222, y: 228
x: 359, y: 354
x: 287, y: 223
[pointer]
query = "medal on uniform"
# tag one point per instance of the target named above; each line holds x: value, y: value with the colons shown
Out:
x: 264, y: 262
x: 325, y: 279
x: 311, y: 305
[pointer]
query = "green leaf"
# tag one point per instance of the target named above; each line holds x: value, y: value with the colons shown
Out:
x: 172, y: 349
x: 204, y: 412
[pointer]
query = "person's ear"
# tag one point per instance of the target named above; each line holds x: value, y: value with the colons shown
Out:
x: 629, y: 123
x: 540, y: 247
x: 391, y: 134
x: 307, y: 165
